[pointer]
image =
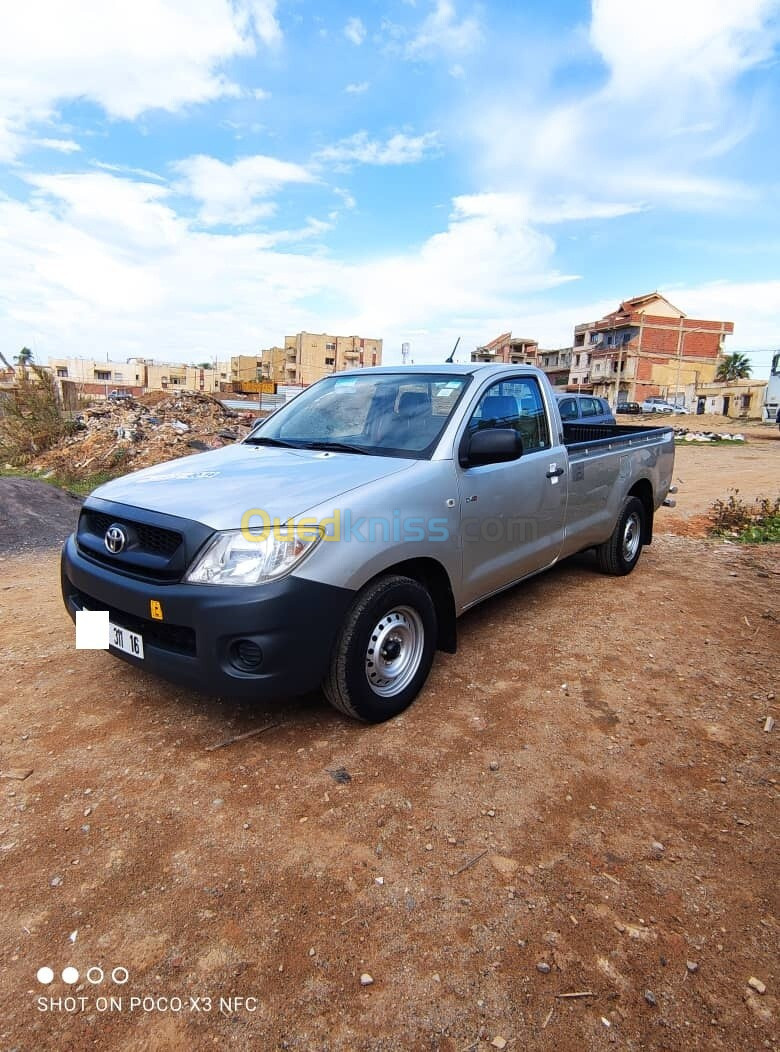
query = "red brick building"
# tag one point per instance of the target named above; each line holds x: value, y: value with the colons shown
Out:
x: 509, y: 349
x: 646, y: 347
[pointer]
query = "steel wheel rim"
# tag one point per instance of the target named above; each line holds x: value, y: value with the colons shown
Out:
x: 394, y: 651
x: 632, y: 532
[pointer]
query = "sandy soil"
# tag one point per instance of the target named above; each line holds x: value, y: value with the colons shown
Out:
x: 586, y: 785
x: 704, y: 474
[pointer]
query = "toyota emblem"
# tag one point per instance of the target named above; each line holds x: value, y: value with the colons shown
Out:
x: 115, y: 539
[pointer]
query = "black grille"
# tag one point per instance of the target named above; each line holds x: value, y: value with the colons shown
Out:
x: 151, y: 538
x: 169, y: 637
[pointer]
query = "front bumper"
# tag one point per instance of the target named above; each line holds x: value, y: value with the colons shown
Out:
x: 293, y: 621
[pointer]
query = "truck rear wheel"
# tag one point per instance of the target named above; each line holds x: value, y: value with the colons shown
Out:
x: 620, y: 554
x: 385, y: 650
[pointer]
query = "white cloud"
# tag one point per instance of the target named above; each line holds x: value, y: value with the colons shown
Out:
x: 520, y: 207
x: 124, y: 169
x: 477, y: 269
x: 355, y: 31
x: 60, y: 145
x: 357, y: 89
x: 753, y: 306
x: 347, y: 199
x: 701, y: 43
x: 126, y: 58
x: 95, y: 263
x: 666, y: 108
x: 398, y: 149
x: 442, y: 32
x: 263, y: 14
x: 237, y: 194
x: 260, y: 94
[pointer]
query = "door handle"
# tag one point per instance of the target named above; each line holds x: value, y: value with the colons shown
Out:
x: 555, y: 474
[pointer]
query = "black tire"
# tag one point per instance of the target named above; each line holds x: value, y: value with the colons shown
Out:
x: 620, y: 554
x: 386, y: 611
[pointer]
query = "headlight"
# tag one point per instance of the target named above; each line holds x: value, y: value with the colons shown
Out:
x: 234, y: 558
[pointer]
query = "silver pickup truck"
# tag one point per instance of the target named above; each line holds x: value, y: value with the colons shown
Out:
x: 338, y: 543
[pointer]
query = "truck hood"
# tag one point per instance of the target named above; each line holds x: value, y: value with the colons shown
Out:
x: 217, y: 487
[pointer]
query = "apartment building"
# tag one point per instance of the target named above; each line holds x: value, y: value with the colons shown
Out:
x: 507, y: 349
x: 646, y: 347
x: 99, y: 377
x: 272, y: 364
x: 174, y: 376
x: 309, y: 356
x: 137, y: 375
x: 557, y: 364
x: 245, y: 368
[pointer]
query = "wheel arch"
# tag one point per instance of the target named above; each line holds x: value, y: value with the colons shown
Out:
x: 643, y: 490
x: 430, y: 573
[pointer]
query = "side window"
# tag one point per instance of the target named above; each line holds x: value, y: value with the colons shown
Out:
x: 568, y: 408
x: 590, y: 407
x: 517, y: 404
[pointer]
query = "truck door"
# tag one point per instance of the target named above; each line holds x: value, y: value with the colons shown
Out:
x: 512, y: 513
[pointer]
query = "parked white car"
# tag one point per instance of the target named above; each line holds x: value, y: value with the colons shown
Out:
x: 655, y: 404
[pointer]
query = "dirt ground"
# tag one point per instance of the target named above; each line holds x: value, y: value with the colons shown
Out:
x: 583, y: 800
x: 35, y: 514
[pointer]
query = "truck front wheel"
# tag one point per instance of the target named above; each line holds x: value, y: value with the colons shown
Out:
x: 385, y: 650
x: 620, y: 554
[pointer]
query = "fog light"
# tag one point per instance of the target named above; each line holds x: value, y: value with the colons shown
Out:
x: 246, y: 655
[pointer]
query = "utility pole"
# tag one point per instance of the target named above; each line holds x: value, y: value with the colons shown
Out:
x: 617, y: 381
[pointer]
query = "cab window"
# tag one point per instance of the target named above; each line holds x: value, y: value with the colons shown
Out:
x: 517, y: 404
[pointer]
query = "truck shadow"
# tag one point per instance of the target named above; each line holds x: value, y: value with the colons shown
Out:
x: 227, y: 720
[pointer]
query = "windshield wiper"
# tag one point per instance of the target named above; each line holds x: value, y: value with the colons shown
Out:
x: 338, y: 447
x: 266, y: 440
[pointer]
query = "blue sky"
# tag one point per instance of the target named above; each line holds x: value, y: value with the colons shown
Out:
x: 191, y: 179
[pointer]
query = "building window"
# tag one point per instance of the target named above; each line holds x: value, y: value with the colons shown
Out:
x: 330, y: 361
x: 101, y: 374
x: 61, y: 371
x: 330, y: 346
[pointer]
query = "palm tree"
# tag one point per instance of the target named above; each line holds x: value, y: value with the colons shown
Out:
x: 23, y: 359
x: 734, y: 366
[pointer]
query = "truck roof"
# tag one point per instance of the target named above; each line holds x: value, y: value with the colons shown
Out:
x: 456, y: 369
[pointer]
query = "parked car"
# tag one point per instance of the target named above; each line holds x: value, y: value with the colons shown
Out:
x: 654, y: 404
x: 584, y: 409
x: 629, y: 407
x: 120, y: 396
x: 338, y: 543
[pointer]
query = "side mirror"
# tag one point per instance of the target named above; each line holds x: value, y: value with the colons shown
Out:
x: 494, y: 445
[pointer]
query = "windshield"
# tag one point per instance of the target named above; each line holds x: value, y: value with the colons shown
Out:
x: 387, y: 414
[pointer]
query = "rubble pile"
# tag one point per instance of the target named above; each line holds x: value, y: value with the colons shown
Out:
x: 131, y: 434
x: 682, y: 433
